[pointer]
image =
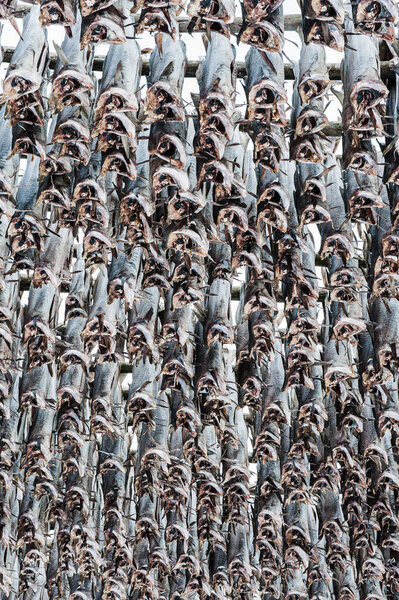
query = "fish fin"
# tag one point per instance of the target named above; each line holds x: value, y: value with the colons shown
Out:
x: 196, y: 99
x: 148, y: 315
x: 14, y: 23
x: 60, y: 53
x: 168, y: 70
x: 125, y: 145
x: 215, y: 84
x: 118, y: 72
x: 158, y: 41
x: 267, y: 61
x: 337, y: 94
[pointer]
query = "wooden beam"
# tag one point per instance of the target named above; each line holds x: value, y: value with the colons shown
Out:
x: 334, y: 69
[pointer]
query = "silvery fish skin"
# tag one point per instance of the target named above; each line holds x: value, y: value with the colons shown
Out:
x: 120, y: 80
x: 151, y: 445
x: 71, y: 84
x: 312, y: 80
x: 215, y: 75
x: 365, y: 93
x: 165, y: 81
x: 24, y: 74
x: 264, y: 88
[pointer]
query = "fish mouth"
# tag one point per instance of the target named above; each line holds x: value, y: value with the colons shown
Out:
x: 71, y: 88
x: 76, y: 150
x: 88, y: 189
x: 115, y: 99
x: 55, y: 198
x: 324, y: 10
x: 71, y: 130
x: 21, y: 82
x: 27, y: 108
x: 168, y: 112
x: 52, y: 14
x: 233, y: 217
x: 219, y: 124
x: 215, y: 11
x: 169, y: 148
x: 117, y: 163
x: 312, y: 87
x: 263, y: 35
x: 54, y: 165
x: 87, y: 7
x: 327, y: 33
x: 215, y: 102
x: 102, y: 29
x: 273, y: 195
x: 161, y: 94
x: 393, y: 176
x: 374, y: 11
x: 269, y: 158
x: 310, y: 121
x: 211, y: 144
x: 365, y: 95
x: 25, y: 145
x: 361, y: 162
x: 267, y: 94
x: 155, y: 20
x: 305, y: 151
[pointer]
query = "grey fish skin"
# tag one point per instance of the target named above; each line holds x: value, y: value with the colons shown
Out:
x: 264, y: 89
x: 71, y: 84
x: 365, y: 93
x: 120, y: 81
x: 165, y: 81
x: 24, y: 74
x: 313, y: 79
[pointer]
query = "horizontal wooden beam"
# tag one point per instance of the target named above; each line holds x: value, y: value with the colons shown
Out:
x: 334, y: 69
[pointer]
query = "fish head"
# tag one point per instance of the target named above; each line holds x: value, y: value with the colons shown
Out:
x: 264, y: 36
x: 20, y: 81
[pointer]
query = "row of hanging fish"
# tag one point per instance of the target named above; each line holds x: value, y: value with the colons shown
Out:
x: 154, y: 444
x: 106, y: 21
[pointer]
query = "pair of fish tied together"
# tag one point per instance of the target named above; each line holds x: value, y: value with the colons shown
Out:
x: 154, y: 445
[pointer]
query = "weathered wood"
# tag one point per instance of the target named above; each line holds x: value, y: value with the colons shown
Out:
x: 334, y: 69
